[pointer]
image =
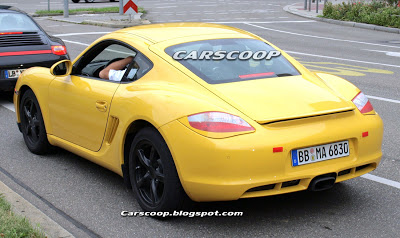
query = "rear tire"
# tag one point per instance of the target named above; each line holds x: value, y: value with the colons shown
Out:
x: 153, y: 174
x: 32, y: 125
x: 75, y: 1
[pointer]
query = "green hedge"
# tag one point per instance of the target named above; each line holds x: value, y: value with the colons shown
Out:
x: 377, y: 13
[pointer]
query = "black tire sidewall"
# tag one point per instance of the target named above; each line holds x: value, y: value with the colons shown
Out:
x: 173, y: 195
x: 42, y: 145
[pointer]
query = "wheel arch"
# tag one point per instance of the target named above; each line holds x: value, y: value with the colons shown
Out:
x: 130, y: 134
x: 22, y: 91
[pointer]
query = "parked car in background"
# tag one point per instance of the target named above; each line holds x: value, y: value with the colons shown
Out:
x: 24, y: 44
x: 76, y: 1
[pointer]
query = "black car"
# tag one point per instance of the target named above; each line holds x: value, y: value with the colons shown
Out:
x: 24, y: 44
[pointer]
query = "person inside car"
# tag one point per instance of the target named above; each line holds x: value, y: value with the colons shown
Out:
x: 116, y: 70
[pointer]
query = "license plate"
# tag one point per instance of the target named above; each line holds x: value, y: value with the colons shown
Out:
x: 319, y: 153
x: 13, y: 73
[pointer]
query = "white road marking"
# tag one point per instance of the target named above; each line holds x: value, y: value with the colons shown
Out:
x: 388, y: 53
x: 82, y: 33
x: 336, y: 58
x: 321, y: 37
x: 384, y: 99
x: 75, y: 42
x: 262, y: 22
x: 8, y: 105
x: 382, y: 180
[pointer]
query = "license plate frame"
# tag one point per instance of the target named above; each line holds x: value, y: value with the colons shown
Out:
x: 13, y: 73
x: 318, y: 153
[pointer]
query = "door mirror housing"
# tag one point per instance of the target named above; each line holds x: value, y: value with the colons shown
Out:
x: 61, y: 68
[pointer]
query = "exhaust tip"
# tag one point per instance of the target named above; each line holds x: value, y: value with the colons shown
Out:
x: 322, y: 182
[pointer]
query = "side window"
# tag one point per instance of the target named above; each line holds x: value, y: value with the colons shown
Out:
x: 101, y: 56
x: 141, y: 65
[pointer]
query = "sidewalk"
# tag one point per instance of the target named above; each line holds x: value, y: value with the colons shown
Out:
x: 298, y: 9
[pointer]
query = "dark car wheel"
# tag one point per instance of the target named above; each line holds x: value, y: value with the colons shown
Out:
x: 153, y: 174
x: 32, y: 124
x: 75, y: 1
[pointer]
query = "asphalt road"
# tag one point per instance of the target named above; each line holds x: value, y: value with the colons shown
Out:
x: 87, y: 200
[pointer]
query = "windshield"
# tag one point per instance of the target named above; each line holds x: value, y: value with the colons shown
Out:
x: 231, y: 60
x: 15, y: 22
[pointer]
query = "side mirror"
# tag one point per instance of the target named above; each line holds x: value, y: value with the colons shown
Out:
x: 61, y: 68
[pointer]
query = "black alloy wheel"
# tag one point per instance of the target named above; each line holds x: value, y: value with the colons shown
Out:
x: 153, y: 175
x: 32, y: 125
x: 149, y: 173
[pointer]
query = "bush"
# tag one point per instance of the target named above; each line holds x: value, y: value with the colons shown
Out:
x: 378, y: 12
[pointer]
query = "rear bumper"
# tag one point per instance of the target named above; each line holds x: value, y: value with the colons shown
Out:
x: 7, y: 85
x: 24, y: 62
x: 245, y: 166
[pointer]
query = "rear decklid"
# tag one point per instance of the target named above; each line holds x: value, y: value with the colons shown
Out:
x: 282, y: 98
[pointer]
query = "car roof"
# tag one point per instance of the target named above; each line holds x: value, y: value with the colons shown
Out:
x: 168, y: 31
x: 10, y: 9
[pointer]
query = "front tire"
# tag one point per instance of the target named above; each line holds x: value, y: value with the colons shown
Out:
x: 32, y: 125
x: 153, y: 174
x: 75, y: 1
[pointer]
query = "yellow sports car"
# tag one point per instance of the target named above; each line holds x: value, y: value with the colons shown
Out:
x: 204, y: 110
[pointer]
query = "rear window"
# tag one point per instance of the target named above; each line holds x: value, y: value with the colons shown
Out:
x: 249, y: 59
x: 15, y: 22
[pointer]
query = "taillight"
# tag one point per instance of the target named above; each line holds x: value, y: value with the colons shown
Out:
x: 218, y: 122
x: 10, y: 33
x: 362, y: 103
x: 58, y: 49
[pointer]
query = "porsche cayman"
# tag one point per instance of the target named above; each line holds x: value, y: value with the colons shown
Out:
x: 213, y: 129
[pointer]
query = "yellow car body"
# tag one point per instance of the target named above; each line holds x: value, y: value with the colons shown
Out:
x: 95, y: 118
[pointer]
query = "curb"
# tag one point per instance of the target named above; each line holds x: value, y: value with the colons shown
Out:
x: 22, y: 207
x: 344, y: 23
x: 61, y: 14
x: 102, y: 23
x: 116, y: 25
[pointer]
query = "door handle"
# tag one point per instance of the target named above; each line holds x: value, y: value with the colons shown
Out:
x: 101, y: 106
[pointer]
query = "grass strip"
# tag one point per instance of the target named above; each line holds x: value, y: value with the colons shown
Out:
x: 15, y: 226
